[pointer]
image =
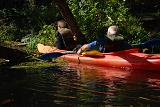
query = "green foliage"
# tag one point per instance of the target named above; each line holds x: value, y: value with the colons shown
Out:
x: 18, y: 22
x: 45, y: 36
x: 9, y: 31
x: 38, y: 16
x: 93, y: 16
x: 157, y: 35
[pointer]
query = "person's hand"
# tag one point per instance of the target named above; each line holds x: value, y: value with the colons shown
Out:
x: 79, y: 51
x: 83, y: 48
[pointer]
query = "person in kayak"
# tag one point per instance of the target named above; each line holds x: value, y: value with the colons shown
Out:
x: 64, y: 38
x: 109, y: 42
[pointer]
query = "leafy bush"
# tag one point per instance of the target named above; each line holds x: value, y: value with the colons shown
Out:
x: 9, y: 31
x: 157, y: 35
x: 45, y: 36
x: 94, y: 15
x: 16, y: 23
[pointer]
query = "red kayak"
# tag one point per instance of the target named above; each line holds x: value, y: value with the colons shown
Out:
x: 131, y: 59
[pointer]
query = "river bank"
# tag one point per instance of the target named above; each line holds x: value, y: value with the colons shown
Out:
x: 13, y: 55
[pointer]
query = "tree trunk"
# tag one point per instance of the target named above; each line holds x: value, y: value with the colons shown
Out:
x: 69, y: 18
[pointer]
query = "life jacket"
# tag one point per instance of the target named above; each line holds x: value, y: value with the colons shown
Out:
x: 116, y: 43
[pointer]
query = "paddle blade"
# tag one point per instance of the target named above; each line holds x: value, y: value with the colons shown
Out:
x: 50, y: 55
x: 150, y: 43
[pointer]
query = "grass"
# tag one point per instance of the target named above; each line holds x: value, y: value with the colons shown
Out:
x: 40, y: 64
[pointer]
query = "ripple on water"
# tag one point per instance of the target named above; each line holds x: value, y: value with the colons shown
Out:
x: 81, y: 85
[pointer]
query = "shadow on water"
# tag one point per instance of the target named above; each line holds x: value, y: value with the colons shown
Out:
x: 13, y: 56
x: 78, y: 86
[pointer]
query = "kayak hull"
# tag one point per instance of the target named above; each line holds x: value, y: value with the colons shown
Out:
x: 128, y: 59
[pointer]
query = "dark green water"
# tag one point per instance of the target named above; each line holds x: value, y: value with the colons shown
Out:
x: 79, y: 86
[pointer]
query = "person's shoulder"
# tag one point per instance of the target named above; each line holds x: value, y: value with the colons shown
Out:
x: 103, y: 39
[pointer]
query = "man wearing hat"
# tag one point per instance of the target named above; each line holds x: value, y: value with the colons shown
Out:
x: 110, y: 42
x: 64, y: 38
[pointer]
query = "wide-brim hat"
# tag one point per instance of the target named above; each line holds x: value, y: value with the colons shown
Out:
x: 113, y: 33
x: 116, y: 37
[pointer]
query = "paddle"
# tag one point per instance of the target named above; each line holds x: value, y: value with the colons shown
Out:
x: 149, y: 43
x: 48, y: 56
x: 150, y: 46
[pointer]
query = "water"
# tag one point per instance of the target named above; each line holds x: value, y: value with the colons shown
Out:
x: 79, y: 86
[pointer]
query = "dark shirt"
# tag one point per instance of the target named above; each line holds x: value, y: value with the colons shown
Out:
x: 65, y: 42
x: 105, y: 44
x: 59, y: 41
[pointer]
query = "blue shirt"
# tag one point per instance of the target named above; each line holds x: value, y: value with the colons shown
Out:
x: 99, y: 44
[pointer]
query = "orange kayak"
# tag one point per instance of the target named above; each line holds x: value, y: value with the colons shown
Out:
x: 131, y: 59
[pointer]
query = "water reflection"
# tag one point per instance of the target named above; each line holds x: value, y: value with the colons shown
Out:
x: 78, y: 86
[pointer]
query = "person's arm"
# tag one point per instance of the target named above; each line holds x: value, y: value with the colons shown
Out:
x: 87, y: 47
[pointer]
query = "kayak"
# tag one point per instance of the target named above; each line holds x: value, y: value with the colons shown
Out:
x: 130, y: 59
